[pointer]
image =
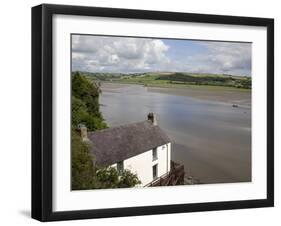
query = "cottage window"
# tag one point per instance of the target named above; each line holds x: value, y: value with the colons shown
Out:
x: 155, y: 171
x: 154, y: 154
x: 120, y: 167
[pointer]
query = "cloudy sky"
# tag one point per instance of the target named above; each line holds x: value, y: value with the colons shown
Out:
x: 125, y: 55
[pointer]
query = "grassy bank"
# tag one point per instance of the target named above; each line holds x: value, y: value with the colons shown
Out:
x: 181, y: 86
x: 178, y: 80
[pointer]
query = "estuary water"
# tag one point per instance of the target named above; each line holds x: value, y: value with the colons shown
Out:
x: 211, y: 138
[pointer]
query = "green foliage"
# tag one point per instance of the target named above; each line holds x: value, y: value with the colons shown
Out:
x: 245, y: 83
x: 128, y: 179
x: 85, y: 103
x: 81, y: 164
x: 85, y: 175
x: 85, y: 109
x: 214, y: 80
x: 80, y: 114
x: 109, y: 178
x: 175, y: 78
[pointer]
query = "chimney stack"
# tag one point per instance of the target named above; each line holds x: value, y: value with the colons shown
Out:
x: 152, y: 118
x: 83, y: 132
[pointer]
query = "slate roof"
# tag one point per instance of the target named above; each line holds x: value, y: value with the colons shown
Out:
x: 119, y: 143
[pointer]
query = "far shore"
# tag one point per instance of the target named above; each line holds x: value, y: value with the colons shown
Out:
x: 235, y: 96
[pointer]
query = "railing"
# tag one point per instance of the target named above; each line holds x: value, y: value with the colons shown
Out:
x: 174, y: 177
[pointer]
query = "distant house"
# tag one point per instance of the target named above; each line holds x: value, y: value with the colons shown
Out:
x: 142, y: 147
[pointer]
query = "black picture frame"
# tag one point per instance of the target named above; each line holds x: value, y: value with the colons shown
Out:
x: 42, y: 107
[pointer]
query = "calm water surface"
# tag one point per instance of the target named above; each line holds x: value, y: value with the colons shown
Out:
x: 211, y: 139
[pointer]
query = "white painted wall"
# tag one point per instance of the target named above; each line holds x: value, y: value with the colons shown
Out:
x: 142, y: 164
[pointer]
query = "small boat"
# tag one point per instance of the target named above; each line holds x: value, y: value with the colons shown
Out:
x: 235, y: 105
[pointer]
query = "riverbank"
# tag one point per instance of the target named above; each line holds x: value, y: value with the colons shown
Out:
x: 228, y: 95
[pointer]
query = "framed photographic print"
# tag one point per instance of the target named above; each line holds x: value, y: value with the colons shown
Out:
x: 145, y: 112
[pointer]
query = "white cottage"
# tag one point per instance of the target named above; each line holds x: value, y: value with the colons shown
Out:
x: 142, y: 147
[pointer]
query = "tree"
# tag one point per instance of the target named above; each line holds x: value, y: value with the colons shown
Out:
x: 82, y: 170
x: 85, y: 109
x: 88, y: 92
x: 85, y: 103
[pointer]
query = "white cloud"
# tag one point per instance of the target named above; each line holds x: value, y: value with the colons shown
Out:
x: 226, y: 57
x: 120, y: 54
x: 113, y: 54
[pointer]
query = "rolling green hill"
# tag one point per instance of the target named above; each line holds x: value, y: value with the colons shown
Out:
x: 175, y: 79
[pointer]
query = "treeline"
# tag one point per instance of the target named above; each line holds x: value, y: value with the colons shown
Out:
x: 182, y: 78
x: 85, y: 110
x: 109, y: 76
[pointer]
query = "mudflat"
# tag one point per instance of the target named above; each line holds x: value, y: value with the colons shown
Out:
x: 220, y: 94
x: 213, y: 93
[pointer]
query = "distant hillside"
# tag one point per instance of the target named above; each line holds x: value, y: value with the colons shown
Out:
x: 208, y: 79
x: 175, y: 78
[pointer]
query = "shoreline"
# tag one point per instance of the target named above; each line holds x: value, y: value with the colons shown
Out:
x: 228, y: 95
